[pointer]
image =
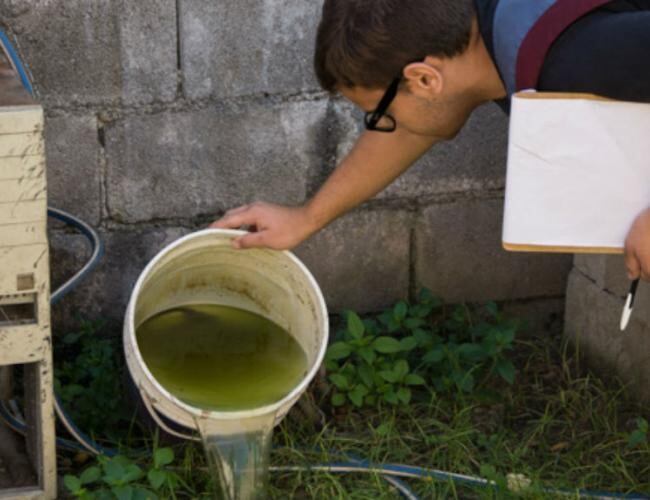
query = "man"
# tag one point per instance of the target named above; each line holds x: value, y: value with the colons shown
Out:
x: 418, y: 68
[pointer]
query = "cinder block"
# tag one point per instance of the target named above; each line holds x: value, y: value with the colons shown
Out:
x: 148, y: 50
x: 361, y: 261
x: 73, y: 171
x: 475, y: 160
x: 460, y: 258
x: 105, y: 292
x: 592, y: 322
x: 184, y: 164
x: 84, y: 52
x: 607, y: 271
x: 235, y: 47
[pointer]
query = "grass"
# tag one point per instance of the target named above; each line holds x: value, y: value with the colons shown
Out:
x: 559, y: 425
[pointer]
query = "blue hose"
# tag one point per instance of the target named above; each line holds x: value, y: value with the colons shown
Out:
x: 15, y: 61
x: 97, y: 247
x: 20, y: 427
x: 409, y: 471
x: 390, y: 472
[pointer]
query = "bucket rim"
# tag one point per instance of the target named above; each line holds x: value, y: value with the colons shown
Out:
x: 130, y: 338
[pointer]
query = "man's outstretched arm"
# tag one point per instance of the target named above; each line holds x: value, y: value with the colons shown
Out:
x: 374, y: 162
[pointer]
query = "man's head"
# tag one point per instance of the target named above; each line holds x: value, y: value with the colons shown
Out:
x: 364, y: 45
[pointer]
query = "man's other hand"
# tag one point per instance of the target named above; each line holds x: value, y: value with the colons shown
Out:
x: 274, y: 226
x: 637, y: 248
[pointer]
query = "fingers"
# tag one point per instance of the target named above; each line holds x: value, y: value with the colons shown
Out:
x: 248, y: 217
x: 637, y: 248
x: 234, y: 219
x: 645, y: 271
x: 643, y: 259
x: 632, y: 264
x: 637, y: 268
x: 251, y: 240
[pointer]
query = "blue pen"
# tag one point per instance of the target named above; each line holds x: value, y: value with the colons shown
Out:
x: 629, y: 304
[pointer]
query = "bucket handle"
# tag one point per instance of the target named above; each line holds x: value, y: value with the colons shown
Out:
x: 154, y: 414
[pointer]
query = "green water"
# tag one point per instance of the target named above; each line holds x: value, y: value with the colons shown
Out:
x: 221, y: 358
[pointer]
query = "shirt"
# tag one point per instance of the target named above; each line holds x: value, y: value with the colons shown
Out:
x: 606, y: 52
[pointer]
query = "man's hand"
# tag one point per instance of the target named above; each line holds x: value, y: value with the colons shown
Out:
x: 637, y: 248
x: 275, y: 226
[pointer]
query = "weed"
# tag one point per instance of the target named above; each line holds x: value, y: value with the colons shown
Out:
x: 379, y: 359
x: 88, y: 379
x: 120, y: 478
x: 372, y: 366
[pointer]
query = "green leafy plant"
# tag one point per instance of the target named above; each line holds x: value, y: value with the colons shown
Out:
x: 381, y: 359
x: 372, y: 367
x: 88, y: 379
x: 120, y: 478
x: 469, y: 347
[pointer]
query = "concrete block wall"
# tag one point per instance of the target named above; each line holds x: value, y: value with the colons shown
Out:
x: 162, y: 114
x: 596, y: 293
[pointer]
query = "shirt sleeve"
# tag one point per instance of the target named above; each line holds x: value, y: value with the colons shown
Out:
x: 606, y: 53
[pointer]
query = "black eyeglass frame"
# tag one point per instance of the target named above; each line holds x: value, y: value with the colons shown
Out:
x: 372, y: 118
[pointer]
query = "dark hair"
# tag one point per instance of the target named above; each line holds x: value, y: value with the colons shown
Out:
x: 368, y: 42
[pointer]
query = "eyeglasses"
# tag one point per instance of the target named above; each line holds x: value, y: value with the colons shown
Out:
x: 378, y: 120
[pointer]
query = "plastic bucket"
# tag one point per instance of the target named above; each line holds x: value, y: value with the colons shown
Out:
x: 203, y: 268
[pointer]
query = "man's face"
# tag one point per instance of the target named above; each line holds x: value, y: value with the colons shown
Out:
x: 438, y: 116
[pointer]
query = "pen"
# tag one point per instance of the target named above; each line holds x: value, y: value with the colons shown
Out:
x: 629, y: 304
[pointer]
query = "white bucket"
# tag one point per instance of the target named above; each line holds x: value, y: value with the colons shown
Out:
x: 203, y: 268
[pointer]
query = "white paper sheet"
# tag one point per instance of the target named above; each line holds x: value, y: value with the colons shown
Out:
x: 578, y: 171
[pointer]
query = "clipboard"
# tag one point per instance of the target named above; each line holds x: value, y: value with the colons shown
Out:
x: 578, y: 172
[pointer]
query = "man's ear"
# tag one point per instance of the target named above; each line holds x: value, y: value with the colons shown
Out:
x: 425, y: 78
